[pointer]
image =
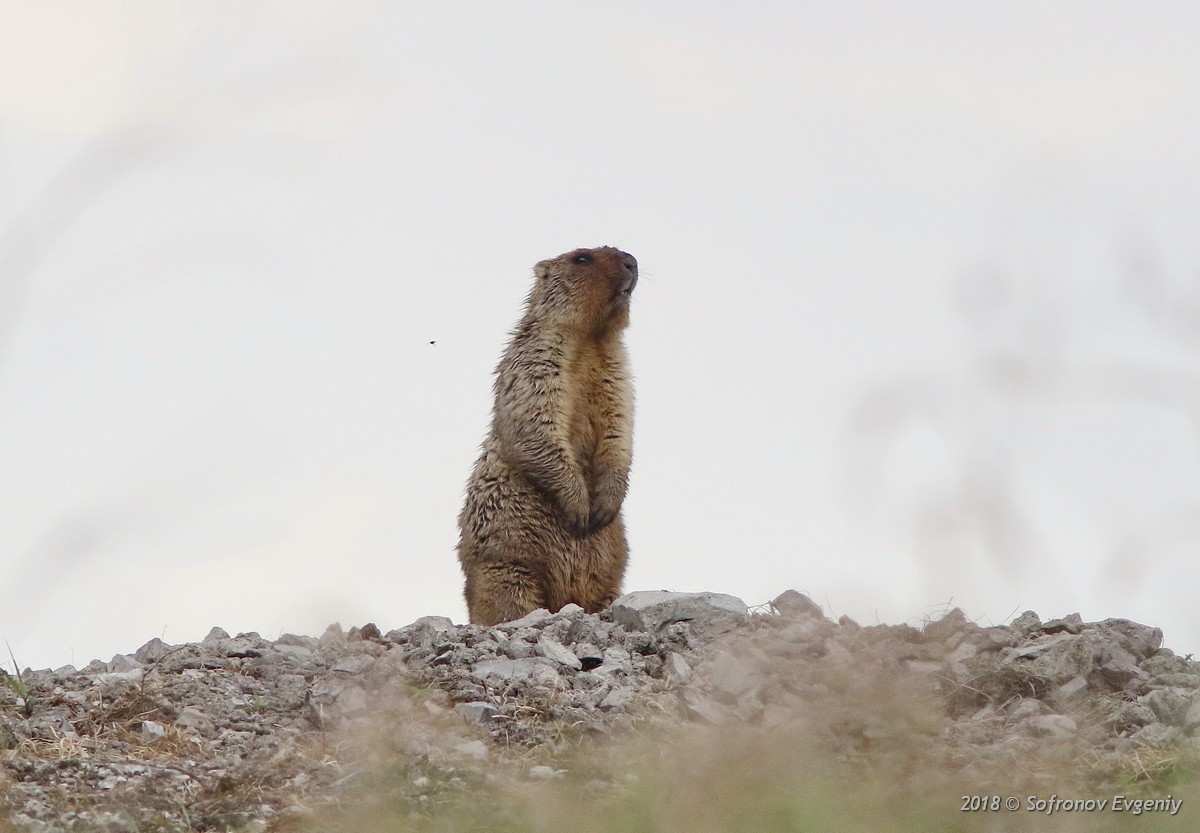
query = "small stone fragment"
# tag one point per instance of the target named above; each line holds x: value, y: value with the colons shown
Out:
x: 796, y: 605
x: 1027, y: 622
x: 214, y: 635
x: 1072, y: 623
x: 618, y: 698
x: 198, y: 721
x: 954, y: 622
x: 676, y: 669
x: 369, y: 631
x: 532, y: 619
x: 553, y: 650
x: 152, y: 651
x: 1170, y: 705
x: 354, y: 664
x: 1052, y: 725
x: 477, y: 711
x: 152, y: 730
x: 476, y: 749
x: 1072, y: 687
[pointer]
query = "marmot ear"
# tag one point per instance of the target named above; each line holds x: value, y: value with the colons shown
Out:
x: 542, y: 270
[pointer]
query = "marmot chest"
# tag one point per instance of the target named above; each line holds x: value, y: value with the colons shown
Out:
x: 595, y: 403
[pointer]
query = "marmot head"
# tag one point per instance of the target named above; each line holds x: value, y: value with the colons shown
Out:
x: 585, y: 289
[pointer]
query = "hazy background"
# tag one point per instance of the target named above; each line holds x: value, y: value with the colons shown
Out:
x: 918, y: 324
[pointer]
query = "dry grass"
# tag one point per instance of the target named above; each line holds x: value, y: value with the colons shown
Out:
x: 707, y: 780
x: 870, y: 755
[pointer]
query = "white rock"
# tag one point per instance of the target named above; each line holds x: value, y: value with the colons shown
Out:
x: 152, y: 731
x: 618, y: 698
x: 554, y: 650
x: 532, y: 619
x: 676, y: 668
x: 514, y: 669
x: 476, y: 749
x: 650, y: 610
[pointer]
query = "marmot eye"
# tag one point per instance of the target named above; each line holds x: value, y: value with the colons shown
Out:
x: 581, y: 259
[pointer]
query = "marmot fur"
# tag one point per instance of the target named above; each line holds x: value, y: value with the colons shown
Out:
x: 541, y: 525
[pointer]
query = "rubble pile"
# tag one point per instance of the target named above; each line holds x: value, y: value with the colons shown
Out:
x: 245, y: 733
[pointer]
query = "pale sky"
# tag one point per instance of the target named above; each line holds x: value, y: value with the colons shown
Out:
x: 918, y: 323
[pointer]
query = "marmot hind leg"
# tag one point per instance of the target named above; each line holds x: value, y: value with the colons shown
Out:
x: 501, y: 593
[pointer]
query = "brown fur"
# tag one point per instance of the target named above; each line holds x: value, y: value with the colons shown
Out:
x: 541, y: 526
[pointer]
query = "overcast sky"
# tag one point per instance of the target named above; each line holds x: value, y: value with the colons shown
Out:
x: 918, y: 323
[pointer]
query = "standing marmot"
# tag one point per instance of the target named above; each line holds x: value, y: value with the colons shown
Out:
x: 541, y: 526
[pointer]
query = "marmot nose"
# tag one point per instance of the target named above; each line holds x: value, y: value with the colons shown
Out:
x: 630, y: 264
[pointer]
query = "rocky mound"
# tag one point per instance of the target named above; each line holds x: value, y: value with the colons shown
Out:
x: 432, y: 721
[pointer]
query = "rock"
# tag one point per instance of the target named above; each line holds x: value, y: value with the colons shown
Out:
x: 515, y: 669
x: 300, y: 652
x: 650, y: 610
x: 953, y: 623
x: 1116, y: 665
x: 133, y: 677
x: 196, y: 720
x: 352, y: 700
x: 355, y: 664
x: 530, y: 620
x: 796, y: 605
x: 616, y: 662
x: 1036, y: 648
x: 214, y: 635
x: 1027, y: 623
x: 732, y: 677
x: 1132, y: 716
x: 553, y: 650
x: 368, y: 632
x: 333, y: 636
x: 618, y: 698
x: 1072, y: 623
x: 152, y: 730
x: 1024, y: 709
x: 123, y: 662
x: 704, y: 708
x: 476, y: 712
x: 240, y: 647
x: 435, y: 623
x: 1052, y: 725
x: 1170, y: 705
x: 1191, y: 721
x: 476, y: 749
x: 152, y: 651
x: 518, y: 649
x: 1072, y: 688
x: 1056, y: 659
x: 1140, y: 640
x: 1158, y: 736
x: 676, y: 669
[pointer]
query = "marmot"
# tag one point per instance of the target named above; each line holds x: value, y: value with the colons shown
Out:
x: 541, y: 525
